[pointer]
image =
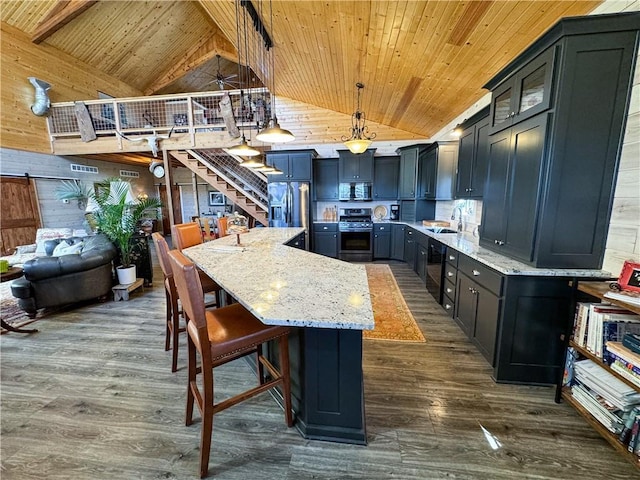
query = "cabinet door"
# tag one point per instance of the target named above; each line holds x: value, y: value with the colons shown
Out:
x: 281, y: 162
x: 526, y: 154
x: 365, y: 167
x: 485, y: 327
x: 326, y: 243
x: 300, y: 167
x: 325, y: 177
x: 502, y: 109
x: 349, y: 167
x: 533, y: 88
x: 408, y: 172
x: 397, y: 242
x: 465, y: 304
x: 428, y: 168
x: 493, y: 204
x: 381, y: 245
x: 385, y: 179
x: 481, y: 160
x: 409, y: 248
x: 421, y: 263
x: 466, y: 157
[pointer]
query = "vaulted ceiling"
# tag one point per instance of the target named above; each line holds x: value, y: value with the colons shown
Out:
x: 422, y: 62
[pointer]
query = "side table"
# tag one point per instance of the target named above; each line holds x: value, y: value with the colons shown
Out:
x: 12, y: 274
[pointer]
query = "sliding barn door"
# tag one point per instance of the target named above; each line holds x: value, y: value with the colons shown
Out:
x: 19, y: 215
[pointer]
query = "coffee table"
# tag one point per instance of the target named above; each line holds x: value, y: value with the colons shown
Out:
x: 12, y: 274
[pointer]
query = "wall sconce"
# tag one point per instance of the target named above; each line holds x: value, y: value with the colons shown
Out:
x: 42, y: 104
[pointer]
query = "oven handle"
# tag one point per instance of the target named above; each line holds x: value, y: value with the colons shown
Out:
x: 356, y: 230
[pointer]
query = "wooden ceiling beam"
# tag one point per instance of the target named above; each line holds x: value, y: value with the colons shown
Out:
x: 208, y: 48
x: 62, y: 13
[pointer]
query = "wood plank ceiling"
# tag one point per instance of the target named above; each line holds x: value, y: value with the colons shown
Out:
x: 422, y: 62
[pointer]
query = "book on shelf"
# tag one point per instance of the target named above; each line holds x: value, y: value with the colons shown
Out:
x: 596, y: 318
x: 604, y: 384
x: 632, y: 342
x: 627, y: 296
x: 633, y: 439
x: 616, y: 360
x: 613, y: 329
x: 625, y: 434
x: 626, y: 373
x: 623, y: 352
x: 597, y: 409
x: 580, y: 323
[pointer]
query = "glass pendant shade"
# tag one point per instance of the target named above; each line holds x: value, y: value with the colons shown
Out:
x: 357, y: 145
x: 274, y: 133
x: 252, y: 163
x: 243, y: 149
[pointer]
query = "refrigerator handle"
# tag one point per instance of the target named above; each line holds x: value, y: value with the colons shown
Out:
x: 289, y: 204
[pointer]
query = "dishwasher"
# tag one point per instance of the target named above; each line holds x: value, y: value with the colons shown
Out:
x: 435, y: 268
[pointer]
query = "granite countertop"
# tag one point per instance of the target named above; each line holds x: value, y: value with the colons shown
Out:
x: 282, y: 285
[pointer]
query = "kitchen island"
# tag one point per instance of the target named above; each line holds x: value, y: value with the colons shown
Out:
x: 327, y: 303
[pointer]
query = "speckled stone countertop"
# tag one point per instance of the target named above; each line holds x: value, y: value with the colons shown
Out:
x: 468, y: 244
x: 283, y: 285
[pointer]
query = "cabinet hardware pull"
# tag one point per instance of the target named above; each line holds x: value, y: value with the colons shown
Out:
x: 500, y: 243
x: 495, y: 241
x: 471, y: 289
x: 447, y: 307
x: 452, y: 257
x: 325, y: 228
x: 476, y: 273
x: 381, y: 228
x: 449, y: 274
x: 449, y: 290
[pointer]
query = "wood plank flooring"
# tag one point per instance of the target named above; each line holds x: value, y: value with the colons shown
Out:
x: 91, y: 396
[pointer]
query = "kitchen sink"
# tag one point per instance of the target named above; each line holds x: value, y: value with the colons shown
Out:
x: 440, y: 230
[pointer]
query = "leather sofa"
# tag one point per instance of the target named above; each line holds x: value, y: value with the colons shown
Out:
x: 51, y: 281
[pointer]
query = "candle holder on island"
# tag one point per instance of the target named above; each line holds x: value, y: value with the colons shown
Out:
x: 237, y: 225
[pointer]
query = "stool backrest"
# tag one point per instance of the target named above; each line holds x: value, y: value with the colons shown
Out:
x: 162, y: 250
x: 189, y: 288
x: 222, y: 226
x: 185, y: 235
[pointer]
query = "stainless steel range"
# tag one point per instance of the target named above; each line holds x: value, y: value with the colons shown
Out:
x: 355, y: 235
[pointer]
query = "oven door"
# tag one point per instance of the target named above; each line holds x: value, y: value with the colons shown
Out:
x: 435, y: 266
x: 355, y: 245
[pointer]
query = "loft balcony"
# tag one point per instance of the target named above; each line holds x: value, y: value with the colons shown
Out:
x: 194, y: 120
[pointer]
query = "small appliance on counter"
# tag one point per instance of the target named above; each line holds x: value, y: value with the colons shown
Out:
x: 395, y: 212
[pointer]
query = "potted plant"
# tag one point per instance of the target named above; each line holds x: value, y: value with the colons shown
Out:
x: 115, y: 213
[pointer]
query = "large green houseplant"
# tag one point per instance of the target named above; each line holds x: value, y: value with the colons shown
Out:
x: 114, y: 210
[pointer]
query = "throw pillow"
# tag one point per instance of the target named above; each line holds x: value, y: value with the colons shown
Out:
x: 64, y: 248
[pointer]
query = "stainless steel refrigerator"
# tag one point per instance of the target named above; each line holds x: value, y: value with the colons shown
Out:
x: 289, y: 205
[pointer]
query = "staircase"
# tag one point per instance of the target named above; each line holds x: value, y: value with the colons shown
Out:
x: 242, y: 186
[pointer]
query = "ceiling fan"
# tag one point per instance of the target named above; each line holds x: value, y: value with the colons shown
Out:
x: 222, y: 80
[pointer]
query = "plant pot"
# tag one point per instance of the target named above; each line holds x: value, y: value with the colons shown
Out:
x: 126, y: 275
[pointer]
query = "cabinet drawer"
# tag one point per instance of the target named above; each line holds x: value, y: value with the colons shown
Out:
x: 326, y: 227
x: 386, y: 227
x: 450, y: 273
x: 449, y: 289
x: 452, y: 257
x: 489, y: 279
x: 448, y: 304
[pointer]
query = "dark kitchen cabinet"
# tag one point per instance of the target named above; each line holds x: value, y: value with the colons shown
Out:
x: 325, y: 239
x: 299, y: 242
x: 421, y: 262
x: 551, y: 177
x: 295, y: 165
x: 356, y: 167
x: 436, y: 171
x: 397, y: 241
x: 514, y: 180
x: 408, y: 175
x: 410, y: 247
x: 524, y: 95
x: 382, y: 240
x: 385, y: 178
x: 473, y: 156
x: 325, y: 179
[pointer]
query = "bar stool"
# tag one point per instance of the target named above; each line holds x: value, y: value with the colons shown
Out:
x: 221, y: 224
x: 173, y: 313
x: 219, y: 336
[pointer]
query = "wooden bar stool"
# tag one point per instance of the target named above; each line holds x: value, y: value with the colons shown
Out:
x: 221, y: 224
x: 185, y: 235
x: 173, y: 313
x: 217, y: 337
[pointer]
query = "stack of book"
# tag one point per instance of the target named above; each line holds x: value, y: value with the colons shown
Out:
x: 623, y: 360
x: 598, y: 323
x: 608, y: 399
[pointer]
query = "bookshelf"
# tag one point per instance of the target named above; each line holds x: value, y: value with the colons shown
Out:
x: 597, y: 290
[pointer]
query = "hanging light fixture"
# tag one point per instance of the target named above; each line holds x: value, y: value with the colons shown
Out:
x: 359, y: 140
x: 252, y: 162
x: 273, y: 133
x: 243, y: 149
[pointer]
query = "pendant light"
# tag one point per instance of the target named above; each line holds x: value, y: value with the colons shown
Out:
x: 252, y: 162
x: 273, y: 133
x: 359, y: 141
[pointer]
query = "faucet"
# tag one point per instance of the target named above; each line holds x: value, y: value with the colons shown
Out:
x: 453, y: 217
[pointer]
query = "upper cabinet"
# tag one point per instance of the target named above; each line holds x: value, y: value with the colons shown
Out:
x: 437, y: 170
x: 552, y: 169
x: 385, y: 178
x: 524, y: 94
x: 356, y: 167
x: 473, y: 156
x: 325, y: 178
x: 295, y: 165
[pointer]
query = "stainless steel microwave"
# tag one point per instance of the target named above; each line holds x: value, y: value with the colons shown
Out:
x: 355, y: 191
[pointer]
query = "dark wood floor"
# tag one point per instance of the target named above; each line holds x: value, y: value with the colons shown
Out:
x: 91, y: 396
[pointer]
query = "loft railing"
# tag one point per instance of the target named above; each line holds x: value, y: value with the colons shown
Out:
x: 192, y: 113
